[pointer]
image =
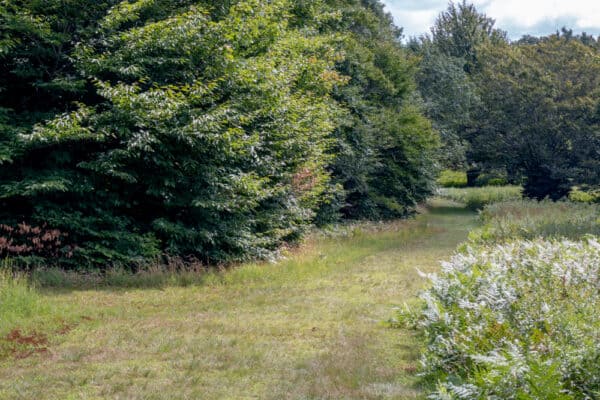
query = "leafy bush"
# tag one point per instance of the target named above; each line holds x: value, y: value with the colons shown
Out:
x: 530, y: 219
x: 491, y: 179
x: 585, y: 196
x: 516, y: 321
x: 452, y: 179
x: 33, y: 242
x: 210, y: 139
x: 477, y: 198
x: 202, y: 129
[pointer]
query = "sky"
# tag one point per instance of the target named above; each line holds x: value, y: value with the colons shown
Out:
x: 517, y: 17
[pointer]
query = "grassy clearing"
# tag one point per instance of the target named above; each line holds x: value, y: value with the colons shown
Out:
x: 477, y: 198
x: 528, y: 219
x: 27, y: 318
x: 309, y: 327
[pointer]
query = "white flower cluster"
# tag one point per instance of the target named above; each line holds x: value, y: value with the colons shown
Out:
x: 518, y: 320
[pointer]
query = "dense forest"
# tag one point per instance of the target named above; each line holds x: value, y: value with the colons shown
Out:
x: 220, y: 130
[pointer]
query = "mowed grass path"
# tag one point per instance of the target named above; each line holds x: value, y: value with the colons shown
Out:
x: 310, y: 327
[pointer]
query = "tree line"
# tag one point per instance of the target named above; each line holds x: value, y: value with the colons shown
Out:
x: 210, y: 130
x: 527, y: 109
x: 220, y: 130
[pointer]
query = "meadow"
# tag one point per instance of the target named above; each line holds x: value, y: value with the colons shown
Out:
x: 190, y: 197
x: 511, y: 311
x: 310, y: 326
x: 477, y: 198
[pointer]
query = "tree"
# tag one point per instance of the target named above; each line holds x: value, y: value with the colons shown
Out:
x: 208, y: 137
x: 541, y: 113
x: 449, y: 57
x: 384, y: 151
x: 200, y: 129
x: 37, y: 76
x: 451, y: 102
x: 459, y: 31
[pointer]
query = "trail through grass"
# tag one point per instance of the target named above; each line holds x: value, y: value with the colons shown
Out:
x: 310, y: 327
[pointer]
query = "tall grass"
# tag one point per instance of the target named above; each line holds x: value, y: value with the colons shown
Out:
x: 19, y: 301
x: 154, y: 276
x: 528, y: 219
x: 477, y: 198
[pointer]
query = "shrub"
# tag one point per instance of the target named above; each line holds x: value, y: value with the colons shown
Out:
x: 516, y: 321
x: 585, y: 196
x: 31, y: 242
x: 449, y: 179
x: 529, y: 219
x: 491, y: 179
x: 477, y: 198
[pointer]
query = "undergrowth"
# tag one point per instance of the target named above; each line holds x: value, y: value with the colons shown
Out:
x: 479, y: 197
x: 515, y: 321
x: 528, y: 219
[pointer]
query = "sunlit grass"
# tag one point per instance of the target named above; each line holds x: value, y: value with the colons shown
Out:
x: 307, y: 327
x: 18, y: 300
x: 529, y: 219
x: 478, y: 197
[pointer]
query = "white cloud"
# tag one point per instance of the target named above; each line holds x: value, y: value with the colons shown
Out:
x: 516, y: 16
x: 528, y: 13
x: 413, y: 22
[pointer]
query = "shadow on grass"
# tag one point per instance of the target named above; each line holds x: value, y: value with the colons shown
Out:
x: 443, y: 207
x: 365, y: 239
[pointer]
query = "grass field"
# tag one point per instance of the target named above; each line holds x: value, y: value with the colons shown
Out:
x: 476, y: 198
x: 309, y: 327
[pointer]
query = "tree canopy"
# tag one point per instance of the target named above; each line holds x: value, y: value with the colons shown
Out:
x: 201, y: 129
x: 541, y: 113
x: 221, y: 130
x: 528, y: 109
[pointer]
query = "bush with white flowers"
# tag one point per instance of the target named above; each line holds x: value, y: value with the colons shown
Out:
x: 519, y: 320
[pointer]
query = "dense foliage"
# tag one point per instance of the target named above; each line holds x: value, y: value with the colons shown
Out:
x: 201, y: 129
x: 542, y: 110
x: 516, y: 321
x: 449, y: 178
x: 527, y: 109
x: 133, y: 130
x: 449, y: 56
x: 385, y: 149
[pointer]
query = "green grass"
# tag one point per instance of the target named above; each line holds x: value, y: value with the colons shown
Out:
x: 479, y: 197
x: 18, y: 301
x: 308, y: 327
x: 529, y: 219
